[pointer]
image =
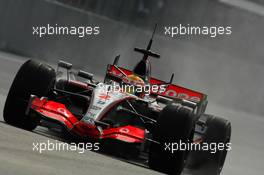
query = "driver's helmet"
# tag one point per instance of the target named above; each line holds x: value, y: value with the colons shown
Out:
x: 134, y: 82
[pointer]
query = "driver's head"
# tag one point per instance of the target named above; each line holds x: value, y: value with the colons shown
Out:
x: 135, y: 81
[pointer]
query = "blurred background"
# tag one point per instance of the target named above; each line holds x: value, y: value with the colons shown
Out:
x: 228, y: 68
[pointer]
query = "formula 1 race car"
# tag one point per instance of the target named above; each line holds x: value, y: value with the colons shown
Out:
x: 148, y: 118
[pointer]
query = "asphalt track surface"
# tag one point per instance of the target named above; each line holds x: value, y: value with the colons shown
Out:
x: 18, y: 158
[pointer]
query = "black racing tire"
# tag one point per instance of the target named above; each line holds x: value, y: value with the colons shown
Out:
x: 218, y: 132
x: 32, y: 78
x: 174, y: 125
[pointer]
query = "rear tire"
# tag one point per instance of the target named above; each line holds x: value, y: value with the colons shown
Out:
x: 175, y: 125
x: 32, y: 78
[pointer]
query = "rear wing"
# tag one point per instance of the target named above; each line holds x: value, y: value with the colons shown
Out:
x: 172, y: 90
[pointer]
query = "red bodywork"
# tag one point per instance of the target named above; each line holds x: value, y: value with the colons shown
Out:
x: 59, y: 113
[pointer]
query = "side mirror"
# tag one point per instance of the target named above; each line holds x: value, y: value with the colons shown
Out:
x: 65, y: 65
x: 164, y: 100
x: 85, y: 75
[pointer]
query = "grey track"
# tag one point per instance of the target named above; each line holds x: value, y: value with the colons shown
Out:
x: 17, y: 156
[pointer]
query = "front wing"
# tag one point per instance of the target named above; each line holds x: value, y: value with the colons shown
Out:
x: 58, y: 113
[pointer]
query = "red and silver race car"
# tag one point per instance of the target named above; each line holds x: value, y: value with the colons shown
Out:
x: 131, y: 111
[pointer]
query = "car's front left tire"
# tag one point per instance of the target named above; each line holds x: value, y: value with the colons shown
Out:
x: 32, y: 78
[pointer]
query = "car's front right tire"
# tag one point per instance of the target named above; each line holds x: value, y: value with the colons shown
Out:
x: 175, y: 125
